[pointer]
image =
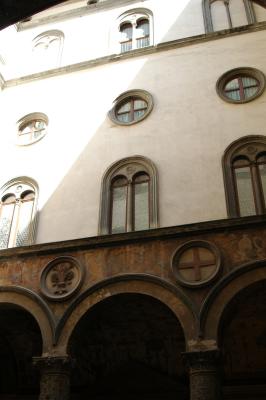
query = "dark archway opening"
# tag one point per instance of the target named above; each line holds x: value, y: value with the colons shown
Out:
x: 243, y: 343
x: 20, y: 340
x: 128, y: 347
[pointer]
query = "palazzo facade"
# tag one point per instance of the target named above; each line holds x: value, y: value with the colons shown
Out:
x: 133, y: 199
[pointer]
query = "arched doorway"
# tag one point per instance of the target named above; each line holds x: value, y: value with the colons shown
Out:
x: 242, y: 337
x: 20, y: 340
x: 128, y: 347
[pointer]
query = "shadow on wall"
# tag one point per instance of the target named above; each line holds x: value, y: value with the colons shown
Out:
x: 72, y: 208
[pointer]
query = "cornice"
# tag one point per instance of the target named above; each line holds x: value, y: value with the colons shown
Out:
x: 165, y: 46
x: 74, y: 13
x: 209, y: 227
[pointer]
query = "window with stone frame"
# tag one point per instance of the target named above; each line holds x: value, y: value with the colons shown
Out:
x: 18, y: 213
x: 31, y: 128
x: 244, y: 164
x: 135, y: 28
x: 131, y: 107
x: 241, y: 85
x: 129, y: 197
x: 47, y: 49
x: 227, y: 14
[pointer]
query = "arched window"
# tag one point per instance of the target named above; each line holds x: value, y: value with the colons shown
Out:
x: 135, y: 29
x: 244, y: 165
x: 17, y: 213
x: 227, y: 14
x: 47, y: 49
x: 31, y: 128
x: 129, y: 196
x: 126, y: 30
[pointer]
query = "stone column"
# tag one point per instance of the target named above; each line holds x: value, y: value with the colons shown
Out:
x: 55, y: 377
x: 204, y: 374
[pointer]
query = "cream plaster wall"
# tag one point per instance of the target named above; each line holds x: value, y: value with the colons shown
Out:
x: 185, y: 135
x: 95, y: 34
x: 91, y: 34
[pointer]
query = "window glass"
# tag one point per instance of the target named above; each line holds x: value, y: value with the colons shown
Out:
x: 119, y: 205
x: 32, y: 131
x: 6, y: 218
x: 131, y: 110
x: 126, y: 37
x: 31, y: 128
x: 143, y: 33
x: 245, y: 191
x: 24, y: 218
x: 16, y: 216
x: 141, y: 202
x: 241, y: 88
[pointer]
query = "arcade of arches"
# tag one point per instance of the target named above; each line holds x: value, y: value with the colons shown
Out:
x: 136, y: 335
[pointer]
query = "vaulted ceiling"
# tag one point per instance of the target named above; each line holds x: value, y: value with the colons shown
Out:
x: 12, y: 11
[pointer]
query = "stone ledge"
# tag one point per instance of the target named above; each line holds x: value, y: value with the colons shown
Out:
x: 214, y: 226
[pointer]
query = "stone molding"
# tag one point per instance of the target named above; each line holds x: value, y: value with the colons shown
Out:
x: 103, y: 285
x: 74, y: 13
x: 229, y: 224
x: 222, y: 284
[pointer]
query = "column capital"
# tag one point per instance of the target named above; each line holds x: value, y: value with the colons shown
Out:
x: 202, y: 360
x: 55, y: 377
x: 204, y: 374
x: 53, y: 363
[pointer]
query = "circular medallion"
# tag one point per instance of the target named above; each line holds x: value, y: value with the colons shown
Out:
x: 196, y: 263
x: 61, y: 278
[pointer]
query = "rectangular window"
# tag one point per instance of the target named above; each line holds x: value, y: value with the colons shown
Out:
x: 141, y: 206
x: 119, y: 209
x: 245, y: 191
x: 24, y: 219
x: 6, y: 219
x: 262, y: 169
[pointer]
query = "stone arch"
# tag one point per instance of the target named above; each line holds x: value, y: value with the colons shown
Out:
x: 36, y: 307
x: 224, y: 292
x: 154, y: 287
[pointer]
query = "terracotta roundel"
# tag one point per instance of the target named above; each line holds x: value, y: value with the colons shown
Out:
x: 61, y: 278
x: 196, y: 263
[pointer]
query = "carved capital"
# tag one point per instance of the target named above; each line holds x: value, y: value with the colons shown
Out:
x: 205, y: 360
x: 51, y: 364
x: 204, y: 377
